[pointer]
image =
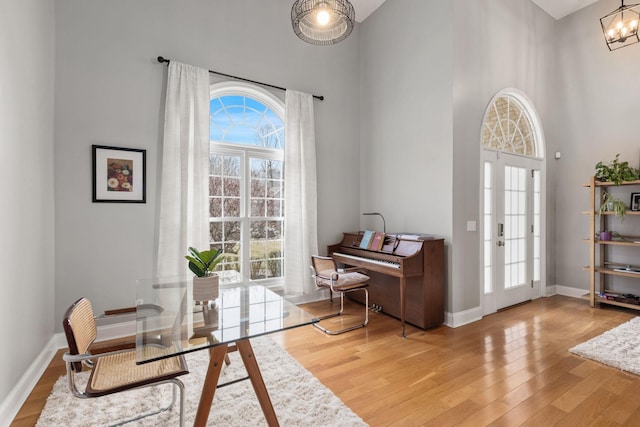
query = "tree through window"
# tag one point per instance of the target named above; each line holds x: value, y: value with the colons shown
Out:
x: 246, y: 184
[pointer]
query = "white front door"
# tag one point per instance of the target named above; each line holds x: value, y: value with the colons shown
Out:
x: 511, y: 230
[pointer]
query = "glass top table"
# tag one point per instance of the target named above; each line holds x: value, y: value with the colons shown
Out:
x: 169, y: 322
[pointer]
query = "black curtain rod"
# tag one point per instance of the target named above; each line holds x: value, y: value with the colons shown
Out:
x: 163, y: 60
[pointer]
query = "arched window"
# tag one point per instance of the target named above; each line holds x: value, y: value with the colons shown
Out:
x: 509, y: 127
x: 240, y: 119
x: 246, y: 185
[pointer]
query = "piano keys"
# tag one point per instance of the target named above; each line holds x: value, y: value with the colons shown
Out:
x: 407, y: 276
x: 383, y: 263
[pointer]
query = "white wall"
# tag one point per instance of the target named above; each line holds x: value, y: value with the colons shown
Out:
x: 405, y: 122
x: 406, y: 117
x: 111, y: 92
x: 27, y: 192
x: 597, y: 105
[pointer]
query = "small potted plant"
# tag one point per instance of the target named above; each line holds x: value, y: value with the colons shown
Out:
x: 608, y: 235
x: 613, y: 204
x: 616, y: 171
x: 604, y: 235
x: 205, y: 282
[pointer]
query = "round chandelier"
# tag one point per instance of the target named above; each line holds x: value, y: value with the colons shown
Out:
x: 322, y: 22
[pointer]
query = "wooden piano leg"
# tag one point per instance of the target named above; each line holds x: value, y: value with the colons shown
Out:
x: 403, y: 284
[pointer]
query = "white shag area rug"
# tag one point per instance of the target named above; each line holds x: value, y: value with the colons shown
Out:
x: 618, y: 347
x: 298, y: 398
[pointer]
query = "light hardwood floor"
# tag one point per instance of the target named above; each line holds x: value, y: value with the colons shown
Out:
x: 509, y: 369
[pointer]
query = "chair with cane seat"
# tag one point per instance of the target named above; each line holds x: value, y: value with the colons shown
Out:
x: 326, y: 275
x: 114, y: 371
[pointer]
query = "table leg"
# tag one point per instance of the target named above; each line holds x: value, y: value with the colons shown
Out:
x: 250, y: 363
x: 216, y: 358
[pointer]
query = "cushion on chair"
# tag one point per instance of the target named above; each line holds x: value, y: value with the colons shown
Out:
x: 326, y: 274
x: 345, y: 281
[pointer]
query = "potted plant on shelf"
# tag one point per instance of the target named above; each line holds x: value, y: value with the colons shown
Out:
x: 608, y: 235
x: 205, y: 282
x: 613, y: 204
x: 604, y: 235
x: 616, y: 171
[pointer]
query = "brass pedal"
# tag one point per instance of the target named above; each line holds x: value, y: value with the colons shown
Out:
x: 375, y: 308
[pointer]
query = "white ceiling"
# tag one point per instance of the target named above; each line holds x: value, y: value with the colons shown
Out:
x: 364, y: 8
x: 555, y: 8
x: 560, y: 8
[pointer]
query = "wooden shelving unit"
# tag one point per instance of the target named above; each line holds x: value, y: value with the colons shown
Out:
x: 600, y: 266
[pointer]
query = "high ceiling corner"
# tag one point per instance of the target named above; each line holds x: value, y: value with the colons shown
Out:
x: 561, y: 8
x: 364, y: 8
x: 556, y: 8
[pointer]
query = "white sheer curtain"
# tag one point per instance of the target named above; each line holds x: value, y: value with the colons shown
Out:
x: 184, y: 196
x: 300, y: 193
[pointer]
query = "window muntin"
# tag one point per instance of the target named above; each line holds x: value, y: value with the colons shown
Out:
x: 507, y: 127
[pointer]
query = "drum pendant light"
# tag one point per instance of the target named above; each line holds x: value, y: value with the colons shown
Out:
x: 322, y: 22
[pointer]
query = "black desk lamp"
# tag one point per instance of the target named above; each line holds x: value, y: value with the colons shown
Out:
x: 384, y: 224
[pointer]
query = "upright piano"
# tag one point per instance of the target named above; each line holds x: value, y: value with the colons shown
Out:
x: 407, y: 275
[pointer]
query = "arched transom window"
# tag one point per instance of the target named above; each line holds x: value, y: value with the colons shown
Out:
x: 239, y: 119
x: 507, y: 127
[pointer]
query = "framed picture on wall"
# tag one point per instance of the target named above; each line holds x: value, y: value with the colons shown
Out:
x: 635, y: 202
x: 119, y: 174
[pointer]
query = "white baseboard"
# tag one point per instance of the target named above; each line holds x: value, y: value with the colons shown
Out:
x: 461, y: 318
x: 307, y: 298
x: 116, y: 330
x: 569, y: 291
x: 16, y: 398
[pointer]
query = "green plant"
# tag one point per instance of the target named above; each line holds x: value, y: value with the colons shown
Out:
x: 203, y: 263
x: 616, y: 171
x: 613, y: 204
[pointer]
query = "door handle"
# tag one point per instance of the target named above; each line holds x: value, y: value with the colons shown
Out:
x: 500, y: 243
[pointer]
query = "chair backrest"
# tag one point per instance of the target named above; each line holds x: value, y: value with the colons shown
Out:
x: 323, y: 265
x: 80, y: 329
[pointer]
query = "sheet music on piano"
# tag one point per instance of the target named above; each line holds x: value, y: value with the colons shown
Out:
x: 389, y: 245
x: 392, y: 240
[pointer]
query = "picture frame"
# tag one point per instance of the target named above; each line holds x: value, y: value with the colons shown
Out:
x: 119, y: 174
x: 635, y: 202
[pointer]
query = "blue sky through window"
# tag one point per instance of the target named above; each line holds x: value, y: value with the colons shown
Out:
x: 242, y: 120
